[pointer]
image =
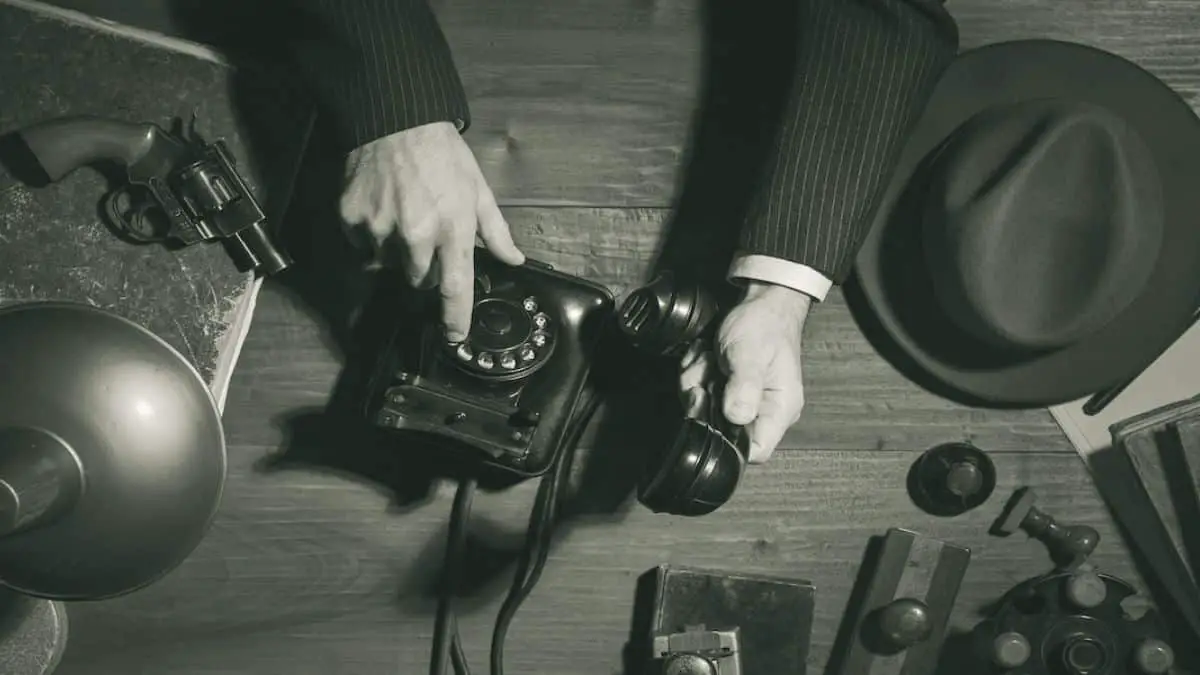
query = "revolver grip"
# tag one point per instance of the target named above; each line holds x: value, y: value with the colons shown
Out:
x: 62, y: 145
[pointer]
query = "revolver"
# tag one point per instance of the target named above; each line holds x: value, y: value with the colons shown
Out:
x: 178, y: 188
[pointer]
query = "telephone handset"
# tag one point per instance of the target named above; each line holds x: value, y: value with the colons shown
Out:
x: 702, y: 468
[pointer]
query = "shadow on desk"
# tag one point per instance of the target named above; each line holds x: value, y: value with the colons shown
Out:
x: 732, y: 133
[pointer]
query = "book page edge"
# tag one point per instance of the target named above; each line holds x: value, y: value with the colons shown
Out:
x: 1065, y: 415
x: 229, y: 347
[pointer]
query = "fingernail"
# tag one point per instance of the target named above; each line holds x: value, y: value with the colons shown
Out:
x: 758, y: 454
x: 455, y: 338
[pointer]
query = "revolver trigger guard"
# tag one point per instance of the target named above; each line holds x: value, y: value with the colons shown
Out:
x: 131, y: 217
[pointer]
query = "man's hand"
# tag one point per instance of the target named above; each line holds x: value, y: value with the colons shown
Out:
x: 421, y: 191
x: 758, y: 350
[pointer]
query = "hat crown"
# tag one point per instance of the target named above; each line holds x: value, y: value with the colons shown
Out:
x: 1043, y: 221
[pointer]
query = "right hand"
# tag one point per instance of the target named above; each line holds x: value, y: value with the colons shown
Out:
x: 421, y: 191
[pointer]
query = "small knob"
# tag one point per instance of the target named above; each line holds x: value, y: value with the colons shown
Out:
x: 1085, y: 589
x: 1153, y: 657
x: 963, y: 479
x: 1011, y: 650
x: 689, y: 664
x: 525, y: 418
x: 951, y: 479
x: 1069, y: 545
x: 1084, y: 656
x: 905, y: 622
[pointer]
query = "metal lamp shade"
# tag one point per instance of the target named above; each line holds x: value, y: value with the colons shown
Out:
x: 112, y: 453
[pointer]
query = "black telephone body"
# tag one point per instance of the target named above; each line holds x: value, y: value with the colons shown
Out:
x: 510, y: 390
x: 509, y: 393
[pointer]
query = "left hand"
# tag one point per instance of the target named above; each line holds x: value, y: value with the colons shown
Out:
x: 758, y: 350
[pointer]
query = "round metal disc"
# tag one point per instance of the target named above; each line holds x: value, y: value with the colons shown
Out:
x: 143, y: 426
x: 33, y: 634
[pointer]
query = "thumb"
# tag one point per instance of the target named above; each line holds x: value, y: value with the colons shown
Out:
x: 747, y: 369
x: 768, y: 428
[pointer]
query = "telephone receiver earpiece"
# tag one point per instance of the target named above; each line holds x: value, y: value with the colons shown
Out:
x: 665, y: 315
x: 704, y: 465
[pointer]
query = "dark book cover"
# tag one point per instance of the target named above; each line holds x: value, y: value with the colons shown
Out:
x: 54, y: 245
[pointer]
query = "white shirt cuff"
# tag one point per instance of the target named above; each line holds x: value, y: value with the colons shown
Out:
x: 780, y: 272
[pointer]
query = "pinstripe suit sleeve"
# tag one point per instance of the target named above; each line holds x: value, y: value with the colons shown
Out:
x: 866, y: 69
x: 379, y: 67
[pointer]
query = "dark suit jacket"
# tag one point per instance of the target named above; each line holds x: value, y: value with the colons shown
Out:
x: 865, y: 70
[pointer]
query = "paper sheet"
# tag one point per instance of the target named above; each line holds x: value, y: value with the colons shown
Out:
x: 1173, y: 377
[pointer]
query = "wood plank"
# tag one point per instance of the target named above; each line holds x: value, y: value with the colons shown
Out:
x: 589, y: 102
x: 856, y: 400
x: 542, y: 98
x: 313, y: 572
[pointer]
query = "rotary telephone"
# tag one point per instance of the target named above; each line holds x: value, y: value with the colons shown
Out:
x: 511, y: 391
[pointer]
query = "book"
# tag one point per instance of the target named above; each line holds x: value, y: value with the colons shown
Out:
x: 1148, y: 479
x: 1135, y: 468
x: 53, y: 243
x: 1173, y: 376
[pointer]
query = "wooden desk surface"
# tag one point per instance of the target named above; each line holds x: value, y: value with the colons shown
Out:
x: 581, y: 118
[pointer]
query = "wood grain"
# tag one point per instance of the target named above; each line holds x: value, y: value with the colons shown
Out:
x: 315, y: 572
x: 589, y: 102
x: 585, y: 105
x: 566, y: 113
x: 856, y: 399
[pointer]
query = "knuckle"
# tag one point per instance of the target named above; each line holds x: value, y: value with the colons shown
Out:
x: 459, y: 237
x: 416, y: 204
x: 454, y: 202
x: 419, y: 230
x: 458, y: 252
x: 349, y: 212
x: 455, y: 286
x: 353, y: 198
x: 735, y: 357
x: 456, y: 309
x: 456, y: 277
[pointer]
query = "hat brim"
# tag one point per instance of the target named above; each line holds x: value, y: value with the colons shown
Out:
x: 889, y: 269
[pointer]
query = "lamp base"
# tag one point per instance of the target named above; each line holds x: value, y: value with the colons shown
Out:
x: 33, y: 634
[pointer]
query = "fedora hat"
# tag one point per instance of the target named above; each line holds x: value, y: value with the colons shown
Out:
x: 1040, y: 238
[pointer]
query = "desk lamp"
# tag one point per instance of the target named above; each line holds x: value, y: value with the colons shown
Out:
x: 112, y: 461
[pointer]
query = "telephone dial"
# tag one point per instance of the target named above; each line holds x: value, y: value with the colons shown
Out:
x: 509, y: 392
